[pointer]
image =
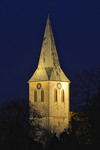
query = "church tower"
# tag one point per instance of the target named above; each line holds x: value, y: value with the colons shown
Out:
x: 49, y: 86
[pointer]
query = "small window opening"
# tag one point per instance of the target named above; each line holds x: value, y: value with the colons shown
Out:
x: 42, y: 95
x: 35, y: 95
x: 55, y: 95
x: 62, y: 95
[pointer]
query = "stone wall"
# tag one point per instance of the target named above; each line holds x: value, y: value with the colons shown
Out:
x: 55, y: 114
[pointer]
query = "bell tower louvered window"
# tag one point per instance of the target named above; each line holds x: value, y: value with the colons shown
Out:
x: 42, y: 95
x: 62, y: 95
x: 55, y: 95
x: 35, y: 95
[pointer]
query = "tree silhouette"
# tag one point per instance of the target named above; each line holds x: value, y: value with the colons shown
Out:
x: 87, y: 92
x: 15, y: 127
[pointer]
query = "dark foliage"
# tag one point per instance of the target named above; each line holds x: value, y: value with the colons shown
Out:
x: 14, y: 127
x: 86, y: 89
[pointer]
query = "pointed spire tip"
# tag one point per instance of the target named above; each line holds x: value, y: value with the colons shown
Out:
x: 48, y: 9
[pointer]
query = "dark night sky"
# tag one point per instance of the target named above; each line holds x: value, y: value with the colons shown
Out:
x: 76, y: 28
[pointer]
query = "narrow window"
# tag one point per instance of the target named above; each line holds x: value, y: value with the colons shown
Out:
x: 55, y: 95
x: 42, y: 95
x: 35, y: 95
x: 62, y: 95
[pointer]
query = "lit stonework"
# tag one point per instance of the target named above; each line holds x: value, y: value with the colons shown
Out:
x: 49, y: 86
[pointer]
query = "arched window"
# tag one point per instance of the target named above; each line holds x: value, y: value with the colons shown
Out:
x: 62, y: 95
x: 35, y: 95
x: 55, y: 95
x: 42, y: 95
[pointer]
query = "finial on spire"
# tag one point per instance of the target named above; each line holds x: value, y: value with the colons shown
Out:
x: 48, y: 8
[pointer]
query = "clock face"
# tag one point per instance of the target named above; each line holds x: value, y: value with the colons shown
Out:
x: 59, y: 85
x: 39, y: 85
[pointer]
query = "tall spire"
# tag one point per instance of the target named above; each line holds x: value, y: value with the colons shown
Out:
x: 48, y: 56
x: 48, y: 66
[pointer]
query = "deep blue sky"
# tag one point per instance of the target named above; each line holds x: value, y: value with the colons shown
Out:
x: 76, y: 28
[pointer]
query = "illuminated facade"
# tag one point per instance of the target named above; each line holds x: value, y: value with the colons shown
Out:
x: 49, y: 86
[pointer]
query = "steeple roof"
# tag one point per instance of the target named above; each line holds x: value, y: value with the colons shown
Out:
x: 48, y: 56
x: 48, y: 66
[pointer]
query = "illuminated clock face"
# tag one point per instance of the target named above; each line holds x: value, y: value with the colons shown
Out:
x: 59, y: 85
x: 38, y: 85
